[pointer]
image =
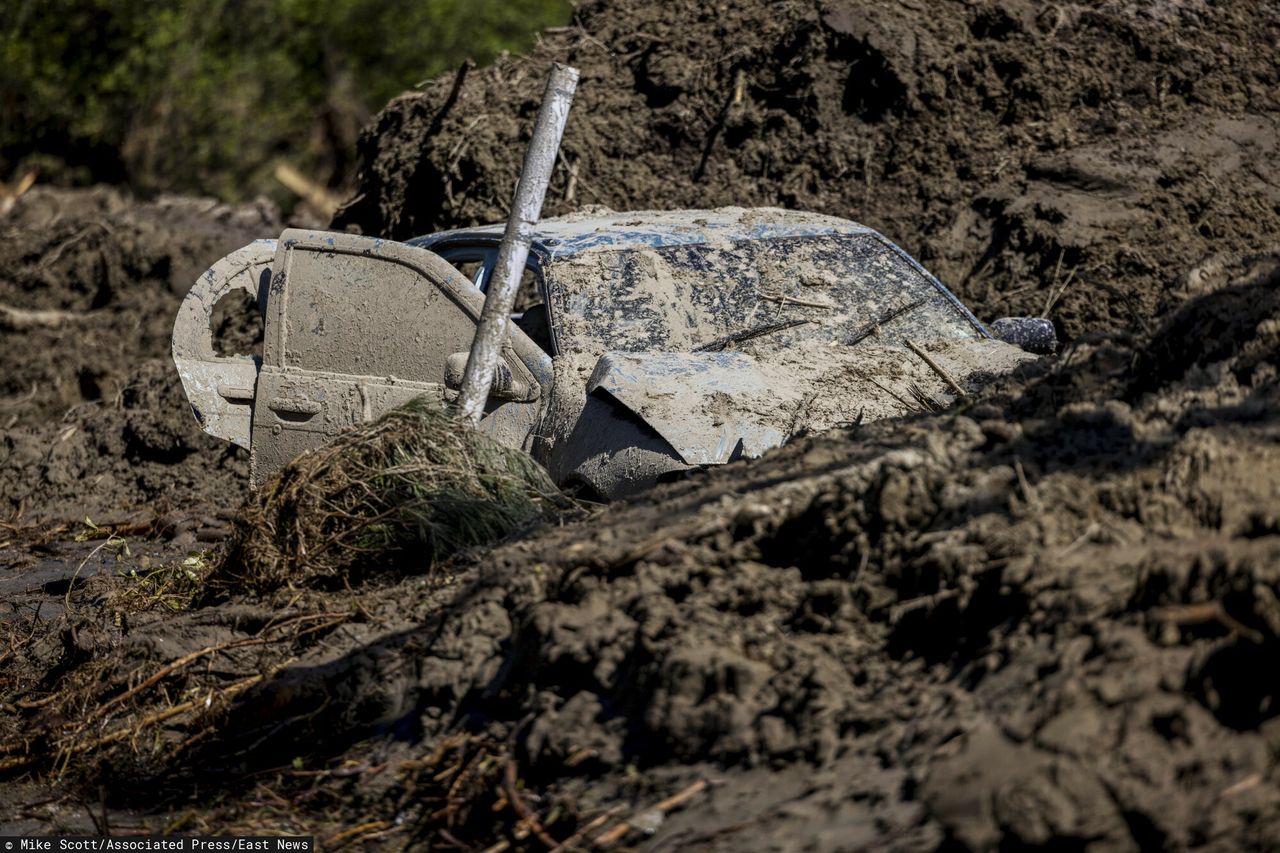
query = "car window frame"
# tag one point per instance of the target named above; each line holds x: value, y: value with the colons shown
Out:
x: 465, y: 249
x: 470, y: 252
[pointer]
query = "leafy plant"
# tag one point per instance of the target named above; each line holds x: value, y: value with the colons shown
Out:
x: 208, y: 96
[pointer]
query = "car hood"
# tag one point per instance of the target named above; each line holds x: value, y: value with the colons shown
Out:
x: 716, y: 407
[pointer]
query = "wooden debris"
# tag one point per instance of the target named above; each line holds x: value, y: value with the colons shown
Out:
x: 938, y: 369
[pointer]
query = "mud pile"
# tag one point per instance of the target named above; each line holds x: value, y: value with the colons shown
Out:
x: 1069, y: 159
x: 1048, y: 618
x: 979, y: 631
x: 94, y: 417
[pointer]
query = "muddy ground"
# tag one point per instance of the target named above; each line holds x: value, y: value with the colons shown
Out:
x: 1046, y: 619
x: 94, y: 422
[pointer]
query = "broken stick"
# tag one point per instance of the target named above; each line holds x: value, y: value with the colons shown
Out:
x: 938, y: 369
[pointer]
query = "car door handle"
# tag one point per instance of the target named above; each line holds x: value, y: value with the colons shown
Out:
x: 298, y: 406
x: 235, y: 393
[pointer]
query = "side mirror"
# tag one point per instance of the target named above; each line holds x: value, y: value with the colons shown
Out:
x: 505, y: 385
x: 1033, y: 334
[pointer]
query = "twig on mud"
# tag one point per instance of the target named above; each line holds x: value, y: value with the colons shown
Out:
x: 720, y: 122
x: 885, y: 389
x: 571, y: 185
x: 1053, y: 296
x: 527, y: 817
x: 451, y: 783
x: 1001, y: 297
x: 187, y: 659
x: 74, y: 729
x: 926, y: 401
x: 587, y: 828
x: 35, y: 534
x: 1028, y: 491
x: 1250, y: 781
x: 53, y: 257
x: 938, y: 369
x: 315, y: 194
x: 337, y: 773
x: 455, y: 153
x: 791, y: 300
x: 1090, y: 531
x: 335, y: 841
x: 582, y: 36
x: 158, y: 717
x: 911, y: 605
x: 169, y: 713
x: 22, y: 319
x: 873, y: 328
x: 619, y: 832
x: 9, y: 195
x: 459, y: 77
x: 719, y: 344
x: 1209, y: 611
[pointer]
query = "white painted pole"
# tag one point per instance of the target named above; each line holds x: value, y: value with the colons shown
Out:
x: 513, y: 251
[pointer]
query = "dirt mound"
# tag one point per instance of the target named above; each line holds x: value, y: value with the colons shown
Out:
x: 95, y: 420
x: 1046, y: 619
x: 1067, y: 159
x: 1229, y: 327
x: 975, y: 631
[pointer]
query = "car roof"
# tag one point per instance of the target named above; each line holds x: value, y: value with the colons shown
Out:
x: 600, y: 229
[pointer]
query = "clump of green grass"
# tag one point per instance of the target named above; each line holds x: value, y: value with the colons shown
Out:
x: 172, y: 587
x: 398, y: 495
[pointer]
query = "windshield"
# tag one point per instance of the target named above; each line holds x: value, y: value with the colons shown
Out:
x: 773, y: 292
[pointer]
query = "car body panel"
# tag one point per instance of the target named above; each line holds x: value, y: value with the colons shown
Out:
x: 609, y: 283
x: 665, y: 388
x: 668, y: 339
x: 354, y: 327
x: 713, y: 408
x: 220, y: 388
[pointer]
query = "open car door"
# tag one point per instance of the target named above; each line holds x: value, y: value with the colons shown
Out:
x: 357, y: 326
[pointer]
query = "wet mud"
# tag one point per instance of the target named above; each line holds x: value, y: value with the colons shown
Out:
x: 93, y: 420
x: 1046, y: 618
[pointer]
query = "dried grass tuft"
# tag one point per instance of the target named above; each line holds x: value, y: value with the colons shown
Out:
x: 398, y: 495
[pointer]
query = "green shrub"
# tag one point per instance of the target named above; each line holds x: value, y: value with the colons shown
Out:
x: 207, y: 96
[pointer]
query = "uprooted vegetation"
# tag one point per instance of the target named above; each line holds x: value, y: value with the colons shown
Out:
x: 401, y: 494
x: 1047, y: 618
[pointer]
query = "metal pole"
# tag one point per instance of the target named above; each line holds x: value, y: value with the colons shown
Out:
x: 513, y: 251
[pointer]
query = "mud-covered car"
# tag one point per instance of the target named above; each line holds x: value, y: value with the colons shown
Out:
x: 645, y: 343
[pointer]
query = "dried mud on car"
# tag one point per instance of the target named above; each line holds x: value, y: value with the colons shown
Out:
x: 1045, y: 618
